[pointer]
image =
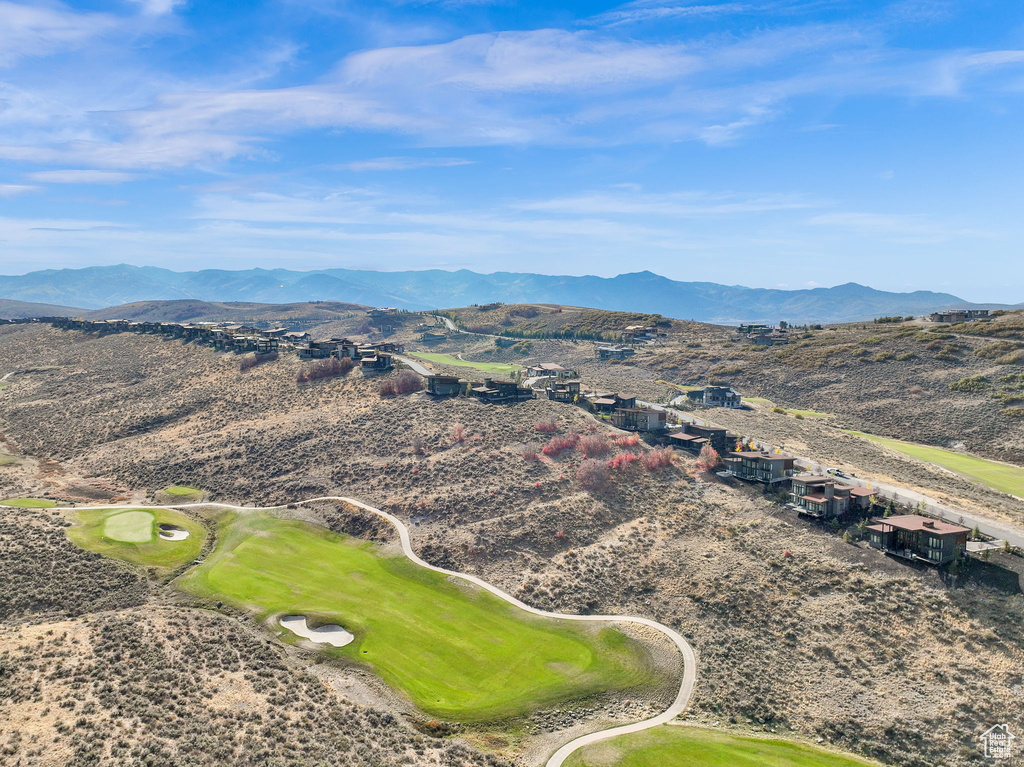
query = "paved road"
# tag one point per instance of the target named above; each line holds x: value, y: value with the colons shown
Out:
x: 686, y: 684
x: 1002, y: 531
x: 419, y: 367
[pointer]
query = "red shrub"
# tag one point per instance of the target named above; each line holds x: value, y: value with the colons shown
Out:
x: 326, y: 368
x: 659, y: 458
x: 403, y: 383
x: 458, y: 433
x: 558, y: 445
x: 387, y: 388
x: 623, y: 461
x: 592, y: 474
x: 630, y: 440
x: 249, y: 361
x: 547, y: 427
x: 708, y: 458
x: 594, y: 446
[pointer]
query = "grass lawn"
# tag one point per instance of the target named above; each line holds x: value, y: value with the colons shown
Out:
x: 133, y: 535
x: 182, y: 490
x: 29, y: 503
x: 1000, y: 476
x: 456, y: 651
x: 673, y: 746
x: 492, y: 368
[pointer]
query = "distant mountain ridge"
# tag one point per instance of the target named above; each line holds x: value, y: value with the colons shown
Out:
x: 105, y: 286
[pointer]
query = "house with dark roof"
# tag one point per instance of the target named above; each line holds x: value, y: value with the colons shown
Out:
x: 826, y: 497
x: 614, y: 352
x: 716, y: 396
x: 548, y: 370
x: 564, y: 391
x: 918, y: 538
x: 444, y: 386
x: 757, y: 466
x: 639, y: 419
x: 496, y: 391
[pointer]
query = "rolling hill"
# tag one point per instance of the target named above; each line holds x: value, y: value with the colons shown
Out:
x: 105, y: 286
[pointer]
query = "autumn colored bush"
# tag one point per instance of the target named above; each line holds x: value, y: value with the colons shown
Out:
x: 629, y: 440
x: 708, y: 458
x: 458, y: 433
x: 623, y: 461
x: 530, y: 453
x: 592, y: 474
x: 594, y: 446
x: 249, y: 361
x: 548, y: 426
x: 659, y: 458
x: 405, y: 382
x: 559, y: 444
x: 325, y: 368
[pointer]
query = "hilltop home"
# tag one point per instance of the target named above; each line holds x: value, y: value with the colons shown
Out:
x: 758, y: 328
x: 608, y: 402
x: 444, y: 386
x: 775, y: 338
x: 376, y: 362
x: 634, y: 333
x: 614, y: 352
x: 564, y: 391
x: 918, y: 538
x: 693, y: 438
x: 716, y: 396
x: 959, y: 315
x: 430, y: 337
x: 492, y: 390
x: 755, y: 466
x: 825, y: 497
x: 639, y: 419
x: 548, y: 370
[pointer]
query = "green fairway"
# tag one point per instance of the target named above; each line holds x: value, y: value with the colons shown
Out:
x: 134, y: 536
x: 1004, y: 477
x: 673, y: 746
x: 456, y: 651
x: 182, y: 490
x: 29, y: 503
x: 491, y: 368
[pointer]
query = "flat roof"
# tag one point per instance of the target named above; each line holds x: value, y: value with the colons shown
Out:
x: 915, y: 522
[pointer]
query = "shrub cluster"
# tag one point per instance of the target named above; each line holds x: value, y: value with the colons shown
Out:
x: 326, y: 368
x: 405, y: 382
x: 249, y: 361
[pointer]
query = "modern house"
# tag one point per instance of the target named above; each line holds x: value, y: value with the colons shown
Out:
x: 445, y: 386
x: 753, y: 328
x: 614, y: 352
x: 959, y: 315
x: 754, y: 466
x: 825, y: 497
x: 716, y: 396
x: 374, y: 362
x: 639, y: 419
x: 919, y: 538
x: 492, y: 390
x: 607, y: 402
x: 430, y: 337
x: 693, y: 438
x: 564, y: 391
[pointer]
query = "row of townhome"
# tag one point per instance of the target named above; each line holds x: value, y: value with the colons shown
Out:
x: 959, y: 315
x: 492, y: 390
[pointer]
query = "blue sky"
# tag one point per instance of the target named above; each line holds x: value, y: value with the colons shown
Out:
x: 770, y: 143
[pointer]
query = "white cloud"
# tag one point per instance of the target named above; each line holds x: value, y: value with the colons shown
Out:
x: 37, y: 30
x: 11, y: 190
x: 891, y: 227
x: 693, y: 204
x: 657, y: 10
x: 404, y: 163
x: 81, y: 176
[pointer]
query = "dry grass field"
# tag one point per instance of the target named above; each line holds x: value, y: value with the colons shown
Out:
x: 796, y: 631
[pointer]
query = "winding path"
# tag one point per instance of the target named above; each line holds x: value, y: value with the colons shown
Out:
x: 679, y: 705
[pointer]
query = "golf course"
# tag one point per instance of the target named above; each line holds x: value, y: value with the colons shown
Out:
x: 140, y: 536
x: 456, y: 651
x: 1004, y: 477
x: 28, y: 503
x: 490, y: 368
x: 675, y: 746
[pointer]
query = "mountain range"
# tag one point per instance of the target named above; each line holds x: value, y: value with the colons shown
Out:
x: 107, y: 286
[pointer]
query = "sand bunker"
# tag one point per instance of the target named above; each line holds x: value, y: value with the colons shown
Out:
x: 330, y: 634
x: 172, y: 533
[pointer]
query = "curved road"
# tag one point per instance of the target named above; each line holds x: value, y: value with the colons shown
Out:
x: 679, y: 705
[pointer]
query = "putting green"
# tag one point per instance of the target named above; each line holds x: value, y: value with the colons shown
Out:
x: 674, y: 746
x: 129, y: 527
x: 133, y: 535
x: 456, y: 651
x: 182, y: 490
x: 29, y: 503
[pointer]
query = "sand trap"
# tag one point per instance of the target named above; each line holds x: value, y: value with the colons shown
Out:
x: 172, y: 533
x: 330, y: 634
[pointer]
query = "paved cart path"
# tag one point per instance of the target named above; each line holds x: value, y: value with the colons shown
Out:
x: 686, y: 684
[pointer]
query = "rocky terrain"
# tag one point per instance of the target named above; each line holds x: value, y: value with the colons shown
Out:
x: 797, y: 630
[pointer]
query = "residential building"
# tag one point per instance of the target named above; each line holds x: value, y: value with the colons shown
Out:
x: 607, y: 402
x: 639, y: 419
x: 825, y: 497
x: 564, y: 391
x: 716, y: 396
x: 548, y: 370
x: 430, y: 337
x: 376, y: 362
x: 445, y: 386
x: 754, y: 466
x: 721, y: 439
x: 914, y: 537
x: 492, y: 390
x: 959, y: 315
x: 614, y: 352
